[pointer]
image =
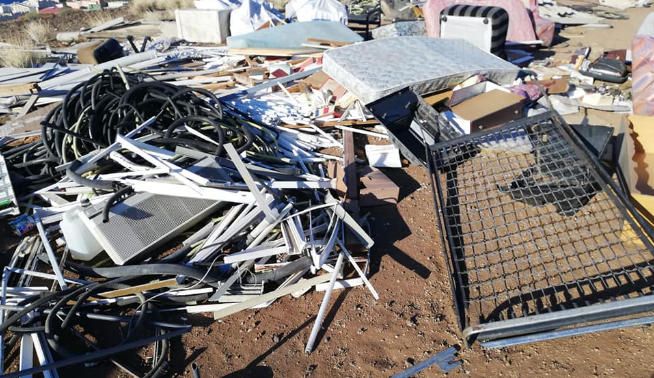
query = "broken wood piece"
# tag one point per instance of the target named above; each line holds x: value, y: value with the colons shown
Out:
x: 218, y: 86
x: 139, y: 288
x: 317, y: 80
x: 253, y: 51
x: 377, y: 189
x: 351, y: 177
x: 328, y: 42
x: 361, y: 131
x: 370, y: 122
x: 437, y: 98
x: 18, y: 89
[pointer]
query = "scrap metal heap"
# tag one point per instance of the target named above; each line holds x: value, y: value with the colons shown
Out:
x: 182, y: 180
x: 198, y: 205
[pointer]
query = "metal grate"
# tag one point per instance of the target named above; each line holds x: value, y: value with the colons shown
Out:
x: 143, y: 221
x: 532, y: 227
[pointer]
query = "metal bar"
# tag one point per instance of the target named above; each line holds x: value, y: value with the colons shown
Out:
x: 503, y: 343
x: 270, y: 296
x: 254, y: 253
x: 44, y: 355
x: 359, y: 271
x: 443, y: 359
x: 323, y: 306
x: 26, y: 353
x: 48, y: 249
x: 567, y: 317
x: 249, y: 181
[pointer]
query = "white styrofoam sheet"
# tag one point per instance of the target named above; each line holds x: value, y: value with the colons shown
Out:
x: 374, y: 69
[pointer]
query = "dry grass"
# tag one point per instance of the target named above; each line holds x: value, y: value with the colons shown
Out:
x: 18, y: 53
x: 38, y: 31
x: 98, y: 18
x: 140, y: 7
x: 158, y: 15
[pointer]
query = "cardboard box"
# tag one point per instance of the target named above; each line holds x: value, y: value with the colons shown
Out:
x: 637, y: 154
x: 488, y: 109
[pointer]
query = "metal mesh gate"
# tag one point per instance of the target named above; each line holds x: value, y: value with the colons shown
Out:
x: 533, y: 226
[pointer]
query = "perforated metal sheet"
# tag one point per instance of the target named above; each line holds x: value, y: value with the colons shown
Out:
x: 374, y: 69
x: 144, y: 220
x: 533, y: 227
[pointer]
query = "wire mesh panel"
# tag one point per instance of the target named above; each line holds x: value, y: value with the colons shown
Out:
x: 532, y: 227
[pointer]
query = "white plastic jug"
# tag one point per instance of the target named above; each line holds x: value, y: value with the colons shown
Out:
x: 81, y: 243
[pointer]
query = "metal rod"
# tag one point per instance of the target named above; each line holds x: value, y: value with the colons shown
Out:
x: 359, y: 271
x: 503, y: 343
x: 323, y: 306
x: 48, y: 249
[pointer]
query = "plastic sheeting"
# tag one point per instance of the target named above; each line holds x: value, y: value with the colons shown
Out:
x: 642, y: 68
x: 525, y: 24
x: 316, y: 10
x: 217, y: 4
x: 252, y: 15
x: 293, y: 35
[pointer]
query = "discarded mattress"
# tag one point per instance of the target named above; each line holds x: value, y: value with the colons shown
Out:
x: 316, y: 10
x: 293, y: 35
x: 525, y: 24
x: 642, y: 68
x: 375, y: 69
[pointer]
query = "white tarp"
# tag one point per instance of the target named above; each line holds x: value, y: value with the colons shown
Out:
x: 217, y: 4
x: 316, y: 10
x: 252, y: 15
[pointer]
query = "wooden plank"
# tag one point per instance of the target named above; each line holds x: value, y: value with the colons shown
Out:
x: 250, y: 51
x: 378, y: 189
x: 328, y: 42
x: 354, y: 122
x: 351, y: 176
x: 18, y: 89
x: 139, y: 288
x: 439, y: 97
x: 217, y: 86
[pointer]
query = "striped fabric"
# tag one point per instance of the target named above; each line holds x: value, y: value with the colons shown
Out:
x: 498, y: 17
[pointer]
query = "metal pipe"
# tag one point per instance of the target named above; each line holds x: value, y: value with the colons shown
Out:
x: 323, y: 305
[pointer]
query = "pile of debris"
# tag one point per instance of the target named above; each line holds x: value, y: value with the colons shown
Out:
x: 153, y: 199
x: 181, y: 179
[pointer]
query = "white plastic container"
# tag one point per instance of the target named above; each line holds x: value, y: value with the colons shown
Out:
x: 81, y: 243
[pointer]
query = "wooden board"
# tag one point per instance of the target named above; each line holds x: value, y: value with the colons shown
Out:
x: 273, y: 52
x: 18, y: 89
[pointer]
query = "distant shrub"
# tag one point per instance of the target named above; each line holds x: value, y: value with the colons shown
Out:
x: 18, y: 53
x: 38, y: 31
x: 140, y: 7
